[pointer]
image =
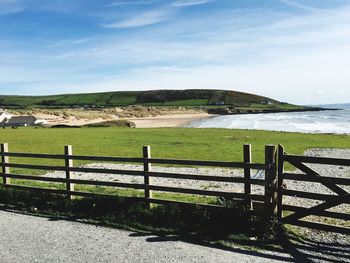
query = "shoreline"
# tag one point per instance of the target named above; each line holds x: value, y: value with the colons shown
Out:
x: 169, y: 121
x: 224, y: 112
x: 182, y: 120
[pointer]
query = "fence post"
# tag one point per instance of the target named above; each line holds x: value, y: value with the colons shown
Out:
x: 247, y: 158
x: 147, y: 168
x: 280, y: 180
x: 4, y: 160
x: 68, y: 151
x: 270, y: 180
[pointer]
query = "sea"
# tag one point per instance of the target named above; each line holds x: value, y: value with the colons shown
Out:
x: 327, y: 121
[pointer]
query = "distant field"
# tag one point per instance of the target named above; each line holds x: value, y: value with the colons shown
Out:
x: 183, y: 143
x: 107, y: 98
x: 124, y: 98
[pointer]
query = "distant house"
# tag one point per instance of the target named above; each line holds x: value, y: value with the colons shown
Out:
x: 4, y: 116
x: 17, y: 121
x: 266, y: 102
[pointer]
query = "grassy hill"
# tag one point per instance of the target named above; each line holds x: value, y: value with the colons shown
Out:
x: 125, y: 98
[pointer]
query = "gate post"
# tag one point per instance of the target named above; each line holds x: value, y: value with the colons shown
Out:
x: 4, y: 160
x: 270, y: 181
x: 247, y: 156
x: 147, y: 168
x: 280, y: 168
x: 68, y: 151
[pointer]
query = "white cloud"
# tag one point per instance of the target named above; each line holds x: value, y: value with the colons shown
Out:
x: 300, y: 6
x: 143, y: 19
x: 184, y: 3
x: 132, y: 2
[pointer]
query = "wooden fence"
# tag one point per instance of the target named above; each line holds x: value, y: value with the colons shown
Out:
x: 268, y: 199
x: 271, y: 199
x: 297, y: 212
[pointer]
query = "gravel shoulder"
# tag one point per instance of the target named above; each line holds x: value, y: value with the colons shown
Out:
x: 38, y: 239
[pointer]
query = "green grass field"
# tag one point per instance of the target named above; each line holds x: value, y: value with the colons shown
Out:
x: 183, y: 143
x: 105, y: 98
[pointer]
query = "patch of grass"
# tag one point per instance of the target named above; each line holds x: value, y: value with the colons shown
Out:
x: 172, y: 218
x: 117, y: 123
x: 121, y: 98
x: 199, y: 102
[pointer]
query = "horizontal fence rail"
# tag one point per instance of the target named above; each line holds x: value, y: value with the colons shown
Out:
x: 242, y: 165
x: 318, y: 160
x: 147, y: 186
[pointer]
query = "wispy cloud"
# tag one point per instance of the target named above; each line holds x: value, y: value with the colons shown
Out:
x: 184, y: 3
x: 151, y: 17
x: 143, y: 19
x: 300, y: 6
x: 10, y: 7
x: 132, y: 2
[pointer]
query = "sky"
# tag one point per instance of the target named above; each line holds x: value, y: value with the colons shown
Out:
x: 296, y: 51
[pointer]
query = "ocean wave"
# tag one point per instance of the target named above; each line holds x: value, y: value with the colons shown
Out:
x: 315, y: 122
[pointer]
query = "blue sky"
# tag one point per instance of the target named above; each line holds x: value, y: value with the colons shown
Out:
x: 292, y: 50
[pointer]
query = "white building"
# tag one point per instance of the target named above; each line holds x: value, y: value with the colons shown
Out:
x: 4, y: 116
x: 8, y: 120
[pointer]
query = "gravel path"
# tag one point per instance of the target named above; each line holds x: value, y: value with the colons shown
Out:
x: 37, y: 239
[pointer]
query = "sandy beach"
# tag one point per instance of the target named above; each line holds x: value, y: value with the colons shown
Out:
x: 171, y: 120
x: 176, y: 120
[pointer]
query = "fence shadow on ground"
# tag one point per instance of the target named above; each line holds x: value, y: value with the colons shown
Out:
x: 307, y: 249
x: 224, y: 229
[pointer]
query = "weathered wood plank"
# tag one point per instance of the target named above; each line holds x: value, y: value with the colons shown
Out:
x: 317, y: 176
x: 76, y: 181
x: 5, y: 160
x: 305, y: 178
x: 205, y: 178
x: 207, y: 163
x: 270, y: 178
x: 195, y: 162
x: 74, y: 157
x: 147, y: 168
x: 34, y: 155
x: 317, y: 160
x: 337, y: 200
x: 31, y: 166
x: 74, y: 169
x: 330, y: 214
x: 308, y: 195
x: 68, y: 151
x: 247, y: 159
x: 107, y: 159
x: 280, y: 176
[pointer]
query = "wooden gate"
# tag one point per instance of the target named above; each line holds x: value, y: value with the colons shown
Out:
x: 318, y: 210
